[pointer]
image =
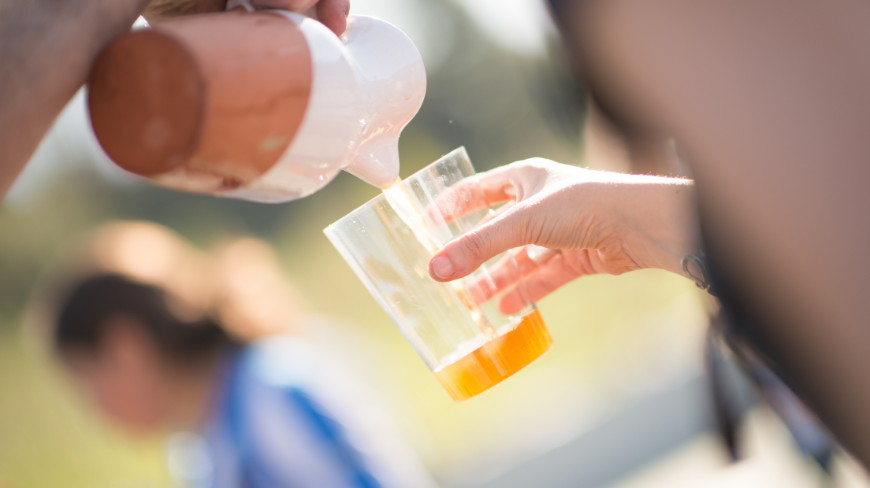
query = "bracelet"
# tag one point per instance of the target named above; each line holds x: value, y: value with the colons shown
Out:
x: 695, y: 268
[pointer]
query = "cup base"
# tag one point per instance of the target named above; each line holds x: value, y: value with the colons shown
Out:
x: 496, y: 360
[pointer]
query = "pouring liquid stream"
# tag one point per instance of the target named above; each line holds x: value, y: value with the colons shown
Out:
x: 403, y: 203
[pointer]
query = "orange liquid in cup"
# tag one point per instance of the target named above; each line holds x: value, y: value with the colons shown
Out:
x: 496, y: 360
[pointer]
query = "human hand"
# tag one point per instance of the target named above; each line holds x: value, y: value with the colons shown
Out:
x: 591, y: 221
x: 332, y: 13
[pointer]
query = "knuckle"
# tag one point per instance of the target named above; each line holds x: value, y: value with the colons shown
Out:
x: 536, y: 169
x: 538, y: 164
x: 476, y: 245
x: 529, y: 227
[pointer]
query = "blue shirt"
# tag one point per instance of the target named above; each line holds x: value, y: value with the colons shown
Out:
x: 287, y: 418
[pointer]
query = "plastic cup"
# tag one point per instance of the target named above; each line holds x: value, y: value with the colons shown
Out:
x: 464, y: 330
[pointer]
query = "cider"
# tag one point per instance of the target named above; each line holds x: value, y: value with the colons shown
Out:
x: 496, y: 360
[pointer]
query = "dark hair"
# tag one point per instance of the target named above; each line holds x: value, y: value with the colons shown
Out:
x: 86, y: 310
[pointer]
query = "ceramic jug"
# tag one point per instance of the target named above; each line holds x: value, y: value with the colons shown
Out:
x: 266, y: 106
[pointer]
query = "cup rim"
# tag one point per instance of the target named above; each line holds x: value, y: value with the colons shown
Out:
x: 459, y: 151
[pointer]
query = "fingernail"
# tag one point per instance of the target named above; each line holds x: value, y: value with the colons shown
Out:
x: 442, y: 267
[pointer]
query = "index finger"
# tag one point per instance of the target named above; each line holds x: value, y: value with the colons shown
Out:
x: 481, y: 191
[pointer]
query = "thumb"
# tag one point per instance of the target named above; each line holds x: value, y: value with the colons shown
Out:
x: 333, y: 14
x: 466, y: 253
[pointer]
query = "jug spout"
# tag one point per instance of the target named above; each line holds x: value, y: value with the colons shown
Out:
x: 190, y: 107
x: 377, y: 162
x: 391, y: 79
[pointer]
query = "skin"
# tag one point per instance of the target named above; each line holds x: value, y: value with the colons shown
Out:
x: 48, y: 46
x: 136, y: 388
x: 772, y: 107
x: 775, y: 121
x: 595, y: 221
x: 39, y: 69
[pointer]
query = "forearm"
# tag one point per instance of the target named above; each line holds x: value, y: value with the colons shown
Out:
x: 46, y: 50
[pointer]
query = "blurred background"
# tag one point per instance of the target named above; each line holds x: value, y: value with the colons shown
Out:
x: 619, y: 401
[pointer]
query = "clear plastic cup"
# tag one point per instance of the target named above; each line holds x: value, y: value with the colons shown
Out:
x: 472, y: 333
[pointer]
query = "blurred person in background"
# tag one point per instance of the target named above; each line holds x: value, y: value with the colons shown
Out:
x: 771, y: 107
x: 165, y: 339
x: 47, y: 49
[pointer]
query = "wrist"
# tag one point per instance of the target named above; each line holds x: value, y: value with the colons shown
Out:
x: 663, y: 220
x: 695, y: 268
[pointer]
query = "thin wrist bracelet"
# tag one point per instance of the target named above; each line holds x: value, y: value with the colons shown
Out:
x: 695, y: 268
